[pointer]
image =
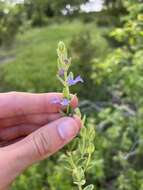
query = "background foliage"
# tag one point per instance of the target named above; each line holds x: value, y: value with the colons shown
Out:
x: 107, y: 50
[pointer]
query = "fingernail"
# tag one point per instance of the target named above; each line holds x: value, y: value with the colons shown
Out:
x: 68, y: 129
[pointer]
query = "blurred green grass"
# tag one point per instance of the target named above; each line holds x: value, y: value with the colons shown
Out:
x: 34, y: 68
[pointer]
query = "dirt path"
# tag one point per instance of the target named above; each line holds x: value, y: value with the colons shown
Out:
x: 6, y: 59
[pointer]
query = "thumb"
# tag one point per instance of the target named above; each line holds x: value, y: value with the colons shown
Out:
x: 40, y: 144
x: 48, y: 139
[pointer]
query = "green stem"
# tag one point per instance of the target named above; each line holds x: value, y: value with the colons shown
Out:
x: 72, y: 162
x: 67, y: 90
x: 79, y: 187
x: 68, y: 96
x: 74, y: 166
x: 83, y: 146
x: 87, y: 162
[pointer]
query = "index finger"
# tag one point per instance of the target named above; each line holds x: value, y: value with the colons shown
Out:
x: 18, y: 103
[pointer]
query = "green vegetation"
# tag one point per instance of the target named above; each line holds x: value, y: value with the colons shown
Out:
x: 36, y: 56
x: 107, y: 52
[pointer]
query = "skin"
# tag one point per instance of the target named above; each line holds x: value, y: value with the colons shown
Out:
x: 30, y: 130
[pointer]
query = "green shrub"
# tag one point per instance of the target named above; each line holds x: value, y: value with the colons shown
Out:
x: 35, y: 65
x: 85, y: 47
x: 10, y: 21
x: 119, y: 123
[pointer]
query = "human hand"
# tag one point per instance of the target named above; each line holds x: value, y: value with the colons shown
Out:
x: 31, y: 129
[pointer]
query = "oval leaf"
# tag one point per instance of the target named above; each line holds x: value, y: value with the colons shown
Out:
x: 89, y: 187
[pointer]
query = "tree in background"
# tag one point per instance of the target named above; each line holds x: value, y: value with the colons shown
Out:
x: 58, y: 6
x: 10, y: 20
x: 38, y: 10
x: 112, y: 3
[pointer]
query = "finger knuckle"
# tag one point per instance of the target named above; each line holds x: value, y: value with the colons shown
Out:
x: 13, y: 93
x: 42, y: 144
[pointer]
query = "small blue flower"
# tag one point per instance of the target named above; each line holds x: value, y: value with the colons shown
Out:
x: 63, y: 102
x: 72, y: 81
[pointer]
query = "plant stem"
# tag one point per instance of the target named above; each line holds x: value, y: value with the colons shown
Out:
x: 79, y: 187
x: 67, y: 90
x: 88, y: 161
x: 83, y: 146
x: 72, y: 162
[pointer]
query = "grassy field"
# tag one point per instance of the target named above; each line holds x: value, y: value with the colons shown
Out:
x: 34, y: 67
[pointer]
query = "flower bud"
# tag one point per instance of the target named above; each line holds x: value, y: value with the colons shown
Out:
x: 61, y: 46
x: 61, y: 72
x: 90, y: 148
x: 66, y: 61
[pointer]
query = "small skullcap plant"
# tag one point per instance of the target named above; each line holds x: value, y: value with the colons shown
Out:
x: 77, y: 160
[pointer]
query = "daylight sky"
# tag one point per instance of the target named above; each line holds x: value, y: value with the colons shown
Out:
x: 92, y: 5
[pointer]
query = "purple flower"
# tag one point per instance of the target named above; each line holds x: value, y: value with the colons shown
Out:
x: 63, y: 102
x: 61, y: 72
x: 72, y: 81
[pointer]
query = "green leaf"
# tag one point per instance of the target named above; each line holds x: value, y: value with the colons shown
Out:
x: 61, y: 46
x: 78, y: 174
x: 89, y: 187
x: 83, y: 132
x: 62, y: 51
x: 91, y: 148
x: 64, y: 92
x: 83, y: 119
x: 77, y: 112
x: 71, y: 76
x: 82, y: 182
x: 59, y: 64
